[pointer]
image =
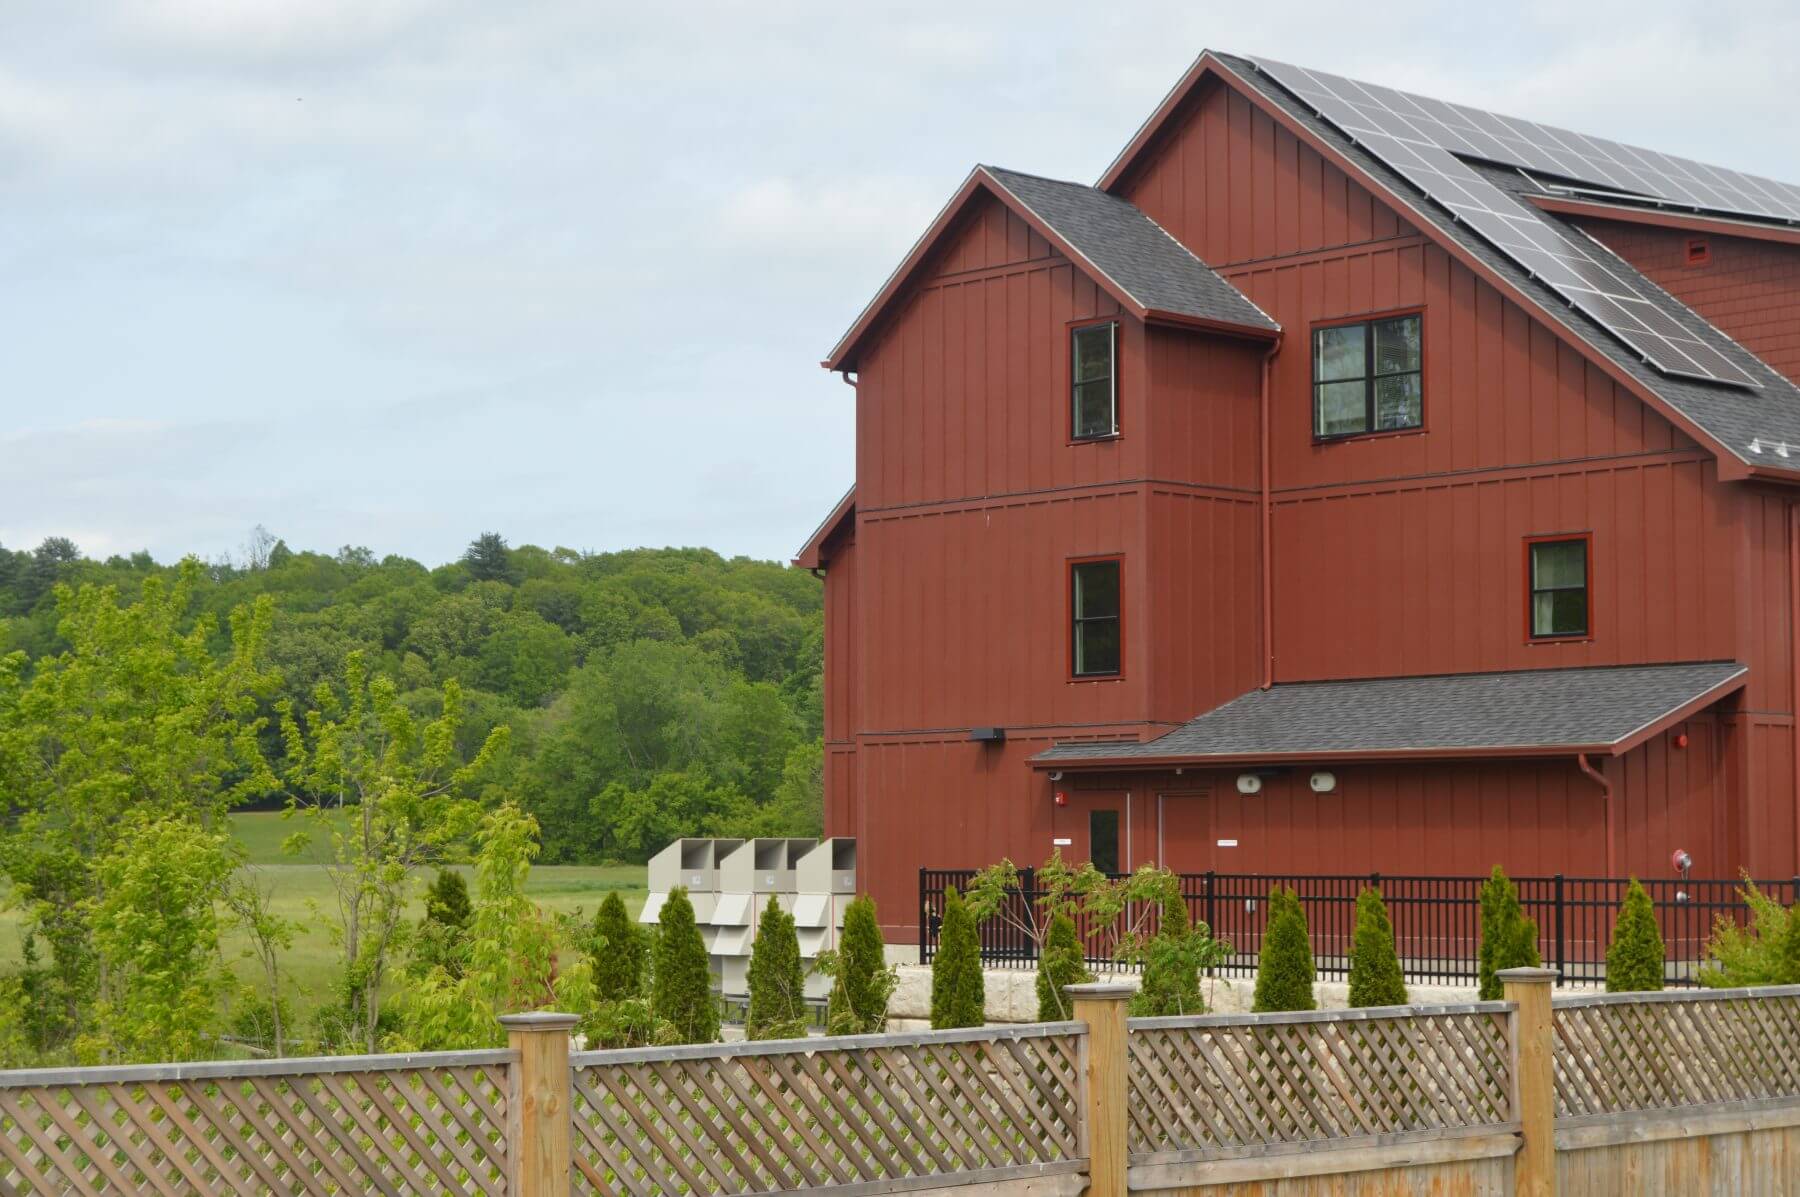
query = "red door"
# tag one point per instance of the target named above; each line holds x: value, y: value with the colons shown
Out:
x: 1184, y: 842
x: 1096, y: 825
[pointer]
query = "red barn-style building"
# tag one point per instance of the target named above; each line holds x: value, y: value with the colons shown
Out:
x: 1429, y: 473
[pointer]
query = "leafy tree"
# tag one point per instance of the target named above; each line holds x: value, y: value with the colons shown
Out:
x: 1062, y: 964
x: 618, y: 951
x: 1284, y: 972
x: 488, y: 559
x: 862, y: 981
x: 777, y: 980
x: 1508, y: 938
x: 681, y: 992
x: 1634, y: 959
x: 958, y: 993
x: 525, y: 658
x: 1375, y: 977
x: 251, y: 904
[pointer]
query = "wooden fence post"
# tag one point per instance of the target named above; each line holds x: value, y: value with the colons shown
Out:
x: 1534, y: 1079
x: 1105, y: 1116
x: 538, y: 1106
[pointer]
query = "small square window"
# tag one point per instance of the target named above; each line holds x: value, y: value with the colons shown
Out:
x: 1368, y: 377
x: 1095, y: 616
x: 1559, y: 597
x: 1699, y: 251
x: 1093, y: 382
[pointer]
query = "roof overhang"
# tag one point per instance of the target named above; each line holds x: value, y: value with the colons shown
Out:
x: 1662, y: 217
x: 981, y: 182
x: 813, y: 554
x: 1676, y: 710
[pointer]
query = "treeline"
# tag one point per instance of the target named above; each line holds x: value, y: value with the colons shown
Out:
x: 649, y: 693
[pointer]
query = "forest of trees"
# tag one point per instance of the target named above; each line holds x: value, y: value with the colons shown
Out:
x: 649, y: 693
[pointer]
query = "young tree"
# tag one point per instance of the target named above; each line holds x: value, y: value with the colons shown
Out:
x: 1375, y: 977
x: 251, y: 904
x: 1634, y: 960
x: 777, y: 980
x: 1767, y: 952
x: 439, y: 941
x: 415, y: 803
x: 618, y: 948
x: 1062, y: 964
x: 958, y: 992
x: 681, y: 992
x: 1171, y: 979
x: 1284, y: 974
x: 1508, y: 938
x: 862, y: 981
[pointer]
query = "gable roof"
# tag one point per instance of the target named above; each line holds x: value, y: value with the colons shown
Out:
x: 812, y: 554
x: 1749, y: 430
x: 1536, y: 712
x: 1145, y: 270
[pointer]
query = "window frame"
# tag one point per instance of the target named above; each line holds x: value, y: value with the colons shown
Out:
x: 1368, y: 320
x: 1073, y: 627
x: 1586, y: 540
x: 1075, y: 327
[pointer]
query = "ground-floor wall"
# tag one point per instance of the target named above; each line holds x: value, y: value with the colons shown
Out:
x: 1718, y: 787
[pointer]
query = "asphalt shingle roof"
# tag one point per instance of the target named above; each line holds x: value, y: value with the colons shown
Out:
x: 1132, y: 250
x: 1735, y: 416
x: 1537, y: 709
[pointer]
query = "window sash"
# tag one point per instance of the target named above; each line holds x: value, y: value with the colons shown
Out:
x: 1550, y: 601
x: 1093, y: 395
x: 1397, y: 406
x: 1096, y: 624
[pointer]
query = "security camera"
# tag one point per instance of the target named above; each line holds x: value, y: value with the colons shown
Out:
x: 1056, y: 775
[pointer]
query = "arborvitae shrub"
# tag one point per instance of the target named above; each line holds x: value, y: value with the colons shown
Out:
x: 1634, y: 959
x: 1284, y: 973
x: 1375, y: 977
x: 777, y: 980
x: 447, y: 899
x: 1171, y: 982
x: 682, y: 992
x: 440, y: 941
x: 862, y: 981
x: 1062, y: 964
x: 618, y: 953
x: 958, y: 995
x: 1508, y: 938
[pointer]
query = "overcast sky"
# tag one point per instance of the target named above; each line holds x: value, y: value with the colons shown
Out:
x: 393, y: 272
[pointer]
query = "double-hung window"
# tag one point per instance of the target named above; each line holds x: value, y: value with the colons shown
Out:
x: 1093, y: 381
x: 1559, y: 600
x: 1367, y: 377
x: 1096, y: 628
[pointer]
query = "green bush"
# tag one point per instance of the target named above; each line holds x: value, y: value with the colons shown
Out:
x: 1061, y: 964
x: 777, y: 981
x: 1284, y: 974
x: 618, y: 951
x: 1634, y: 959
x: 958, y: 994
x: 1508, y: 938
x: 1172, y: 965
x: 1375, y: 977
x: 1767, y: 952
x: 862, y: 982
x: 682, y: 994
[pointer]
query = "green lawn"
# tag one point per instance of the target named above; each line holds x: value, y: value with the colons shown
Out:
x: 303, y: 892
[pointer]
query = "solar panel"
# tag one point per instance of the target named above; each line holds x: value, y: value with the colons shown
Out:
x: 1425, y: 140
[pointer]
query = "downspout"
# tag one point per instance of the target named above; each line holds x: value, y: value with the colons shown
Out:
x: 1268, y: 527
x: 1606, y: 795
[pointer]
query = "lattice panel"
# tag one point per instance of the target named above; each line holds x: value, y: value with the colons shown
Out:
x: 395, y: 1132
x: 1666, y: 1051
x: 727, y: 1122
x: 1214, y: 1084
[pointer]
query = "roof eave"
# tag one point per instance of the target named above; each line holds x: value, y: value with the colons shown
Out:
x: 1255, y: 332
x: 1693, y: 222
x: 812, y: 554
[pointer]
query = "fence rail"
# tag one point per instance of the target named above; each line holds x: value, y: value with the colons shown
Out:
x: 1437, y: 920
x: 863, y: 1113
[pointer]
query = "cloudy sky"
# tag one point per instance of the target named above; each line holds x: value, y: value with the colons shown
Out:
x: 392, y: 272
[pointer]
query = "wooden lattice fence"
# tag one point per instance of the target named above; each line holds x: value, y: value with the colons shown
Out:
x: 866, y: 1112
x: 1226, y: 1086
x: 1627, y: 1053
x: 396, y: 1125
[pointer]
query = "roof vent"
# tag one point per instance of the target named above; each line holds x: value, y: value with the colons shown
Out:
x: 1699, y: 251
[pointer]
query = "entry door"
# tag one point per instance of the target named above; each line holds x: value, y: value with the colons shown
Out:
x: 1184, y: 842
x: 1096, y: 825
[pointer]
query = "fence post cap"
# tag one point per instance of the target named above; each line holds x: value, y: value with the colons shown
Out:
x: 539, y: 1020
x: 1526, y: 974
x: 1101, y: 990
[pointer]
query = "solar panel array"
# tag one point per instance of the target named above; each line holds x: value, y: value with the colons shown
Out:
x: 1421, y: 139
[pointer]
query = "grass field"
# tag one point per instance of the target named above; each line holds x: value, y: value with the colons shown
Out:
x: 302, y: 892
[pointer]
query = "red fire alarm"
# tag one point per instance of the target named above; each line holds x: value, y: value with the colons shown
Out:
x: 1681, y: 739
x: 1062, y: 799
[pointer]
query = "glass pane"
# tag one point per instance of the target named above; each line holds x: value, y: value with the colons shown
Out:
x: 1559, y: 613
x: 1093, y: 353
x: 1096, y: 647
x: 1338, y: 352
x: 1340, y: 409
x: 1397, y: 402
x: 1094, y: 409
x: 1103, y: 840
x: 1558, y: 563
x: 1097, y: 589
x: 1397, y: 345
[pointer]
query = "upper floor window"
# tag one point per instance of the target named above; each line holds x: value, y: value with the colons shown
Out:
x: 1367, y: 377
x: 1093, y: 381
x: 1097, y: 630
x: 1560, y: 601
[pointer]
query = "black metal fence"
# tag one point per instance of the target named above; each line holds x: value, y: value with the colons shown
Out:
x: 1437, y: 920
